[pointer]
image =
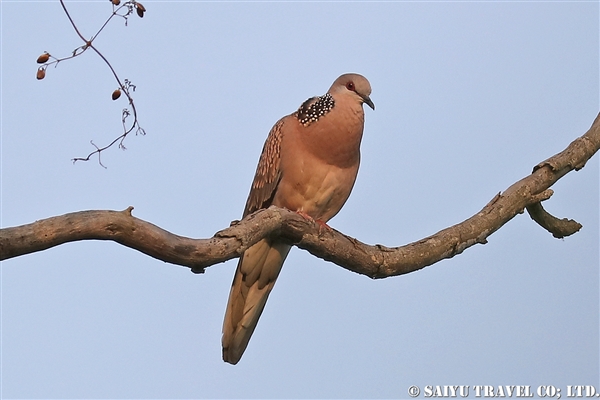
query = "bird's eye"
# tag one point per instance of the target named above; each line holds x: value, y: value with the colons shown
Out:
x: 350, y: 86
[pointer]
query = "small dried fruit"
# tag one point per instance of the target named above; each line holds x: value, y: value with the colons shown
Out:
x: 116, y: 2
x: 43, y: 58
x: 140, y: 9
x: 116, y: 94
x: 41, y: 73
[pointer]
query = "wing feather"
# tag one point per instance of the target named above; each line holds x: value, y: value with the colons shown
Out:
x: 268, y: 172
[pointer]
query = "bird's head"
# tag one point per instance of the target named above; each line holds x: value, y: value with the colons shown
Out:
x: 354, y: 85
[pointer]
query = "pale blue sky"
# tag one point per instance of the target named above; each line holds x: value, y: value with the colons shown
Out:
x: 469, y: 97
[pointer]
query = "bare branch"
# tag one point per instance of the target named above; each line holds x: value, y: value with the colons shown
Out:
x: 62, y: 4
x: 374, y: 261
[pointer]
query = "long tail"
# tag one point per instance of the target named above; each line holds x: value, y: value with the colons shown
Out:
x: 254, y: 278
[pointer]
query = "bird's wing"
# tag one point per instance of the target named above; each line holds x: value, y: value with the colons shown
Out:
x: 268, y: 172
x: 259, y: 266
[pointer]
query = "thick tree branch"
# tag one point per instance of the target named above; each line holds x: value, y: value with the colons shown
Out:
x: 374, y: 261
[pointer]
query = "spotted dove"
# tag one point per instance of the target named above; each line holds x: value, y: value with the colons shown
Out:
x: 308, y: 164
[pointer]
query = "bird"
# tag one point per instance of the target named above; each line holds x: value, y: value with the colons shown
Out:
x: 308, y: 164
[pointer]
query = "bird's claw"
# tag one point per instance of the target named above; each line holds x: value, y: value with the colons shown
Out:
x: 322, y: 225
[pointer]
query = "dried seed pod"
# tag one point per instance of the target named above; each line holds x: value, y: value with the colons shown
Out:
x: 43, y: 58
x: 41, y: 73
x: 116, y: 94
x: 116, y: 2
x: 140, y: 9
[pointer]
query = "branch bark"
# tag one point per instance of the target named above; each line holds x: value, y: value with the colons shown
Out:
x: 374, y: 261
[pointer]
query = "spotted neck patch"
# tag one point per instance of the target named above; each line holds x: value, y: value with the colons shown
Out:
x: 314, y: 108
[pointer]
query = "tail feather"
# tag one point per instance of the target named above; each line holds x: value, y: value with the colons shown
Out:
x: 254, y: 279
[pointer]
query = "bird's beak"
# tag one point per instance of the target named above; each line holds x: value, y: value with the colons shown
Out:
x: 367, y: 101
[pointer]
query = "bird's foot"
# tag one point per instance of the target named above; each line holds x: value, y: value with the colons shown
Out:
x: 322, y: 225
x: 304, y: 215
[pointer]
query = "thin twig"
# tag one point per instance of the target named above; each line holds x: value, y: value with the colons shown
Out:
x: 125, y: 85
